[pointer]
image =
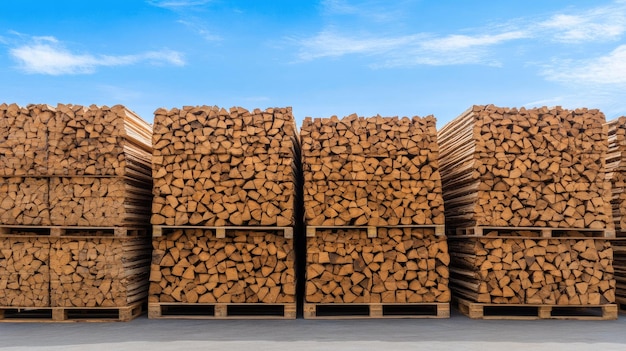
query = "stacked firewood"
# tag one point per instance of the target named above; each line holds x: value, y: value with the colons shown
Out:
x: 522, y: 167
x: 507, y: 169
x: 616, y: 175
x: 379, y: 172
x: 71, y: 178
x: 371, y: 171
x: 215, y: 167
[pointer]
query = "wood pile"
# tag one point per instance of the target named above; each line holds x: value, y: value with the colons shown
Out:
x: 401, y: 265
x: 193, y: 266
x: 376, y: 173
x: 533, y: 271
x: 371, y: 171
x: 616, y: 175
x: 218, y: 167
x: 539, y: 167
x: 71, y: 176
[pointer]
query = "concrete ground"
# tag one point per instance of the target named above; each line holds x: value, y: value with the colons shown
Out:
x: 456, y: 333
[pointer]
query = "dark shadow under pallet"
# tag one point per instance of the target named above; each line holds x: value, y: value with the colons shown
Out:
x: 375, y: 310
x: 476, y: 310
x: 165, y: 310
x: 71, y: 314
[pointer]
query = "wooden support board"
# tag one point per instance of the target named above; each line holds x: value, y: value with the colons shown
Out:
x: 375, y: 310
x: 535, y: 232
x: 221, y: 311
x: 71, y: 231
x: 71, y: 314
x: 477, y: 310
x: 372, y: 231
x: 220, y: 232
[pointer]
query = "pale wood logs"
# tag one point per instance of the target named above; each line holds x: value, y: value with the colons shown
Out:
x: 401, y: 265
x: 525, y: 167
x: 24, y: 201
x: 533, y: 271
x: 218, y: 167
x: 371, y: 171
x: 193, y: 266
x: 25, y: 272
x: 99, y: 272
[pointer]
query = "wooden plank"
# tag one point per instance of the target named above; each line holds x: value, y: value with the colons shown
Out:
x: 14, y: 314
x: 255, y: 311
x: 477, y: 310
x: 375, y: 311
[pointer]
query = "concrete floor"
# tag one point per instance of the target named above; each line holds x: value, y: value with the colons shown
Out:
x: 456, y: 333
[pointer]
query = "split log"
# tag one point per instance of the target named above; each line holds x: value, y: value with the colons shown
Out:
x: 371, y: 171
x: 528, y: 167
x: 23, y: 139
x: 24, y: 272
x: 532, y: 271
x: 98, y: 272
x: 191, y: 266
x: 216, y: 167
x: 24, y: 201
x: 401, y: 265
x: 616, y: 172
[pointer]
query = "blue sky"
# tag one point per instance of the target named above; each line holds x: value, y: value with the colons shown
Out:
x: 323, y: 58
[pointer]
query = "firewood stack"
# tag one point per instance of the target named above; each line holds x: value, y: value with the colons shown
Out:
x: 76, y: 185
x: 616, y: 175
x: 374, y: 209
x: 232, y: 171
x: 525, y: 194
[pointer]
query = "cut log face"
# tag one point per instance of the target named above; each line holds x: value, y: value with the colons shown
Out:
x: 24, y: 272
x: 616, y: 172
x: 401, y: 265
x: 215, y: 167
x: 23, y: 136
x: 104, y: 272
x: 528, y: 167
x: 24, y: 201
x: 192, y: 266
x: 533, y: 271
x: 94, y: 201
x: 371, y: 171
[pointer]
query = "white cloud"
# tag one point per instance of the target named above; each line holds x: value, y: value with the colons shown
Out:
x: 200, y: 29
x: 598, y: 24
x: 406, y: 50
x: 45, y: 55
x: 178, y: 4
x: 608, y: 69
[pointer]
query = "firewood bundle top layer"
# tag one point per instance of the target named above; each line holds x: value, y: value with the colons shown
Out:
x: 216, y: 167
x: 23, y: 139
x: 616, y: 171
x: 68, y: 140
x: 525, y: 167
x: 371, y: 171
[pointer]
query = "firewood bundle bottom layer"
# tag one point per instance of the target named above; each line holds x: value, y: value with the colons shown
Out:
x: 532, y: 271
x: 193, y: 266
x: 401, y: 265
x: 215, y: 167
x: 71, y: 272
x: 528, y: 167
x: 371, y: 171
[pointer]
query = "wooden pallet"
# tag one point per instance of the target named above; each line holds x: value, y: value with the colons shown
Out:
x: 167, y: 310
x: 220, y: 232
x: 536, y: 232
x: 621, y: 304
x: 375, y: 310
x: 477, y: 310
x: 71, y: 314
x: 372, y: 231
x: 72, y: 231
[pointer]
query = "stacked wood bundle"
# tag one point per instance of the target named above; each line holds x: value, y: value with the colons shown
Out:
x: 533, y: 271
x: 24, y: 201
x: 23, y: 139
x: 214, y: 167
x: 371, y: 171
x: 193, y: 266
x: 522, y: 167
x: 401, y: 265
x: 24, y: 272
x: 98, y: 272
